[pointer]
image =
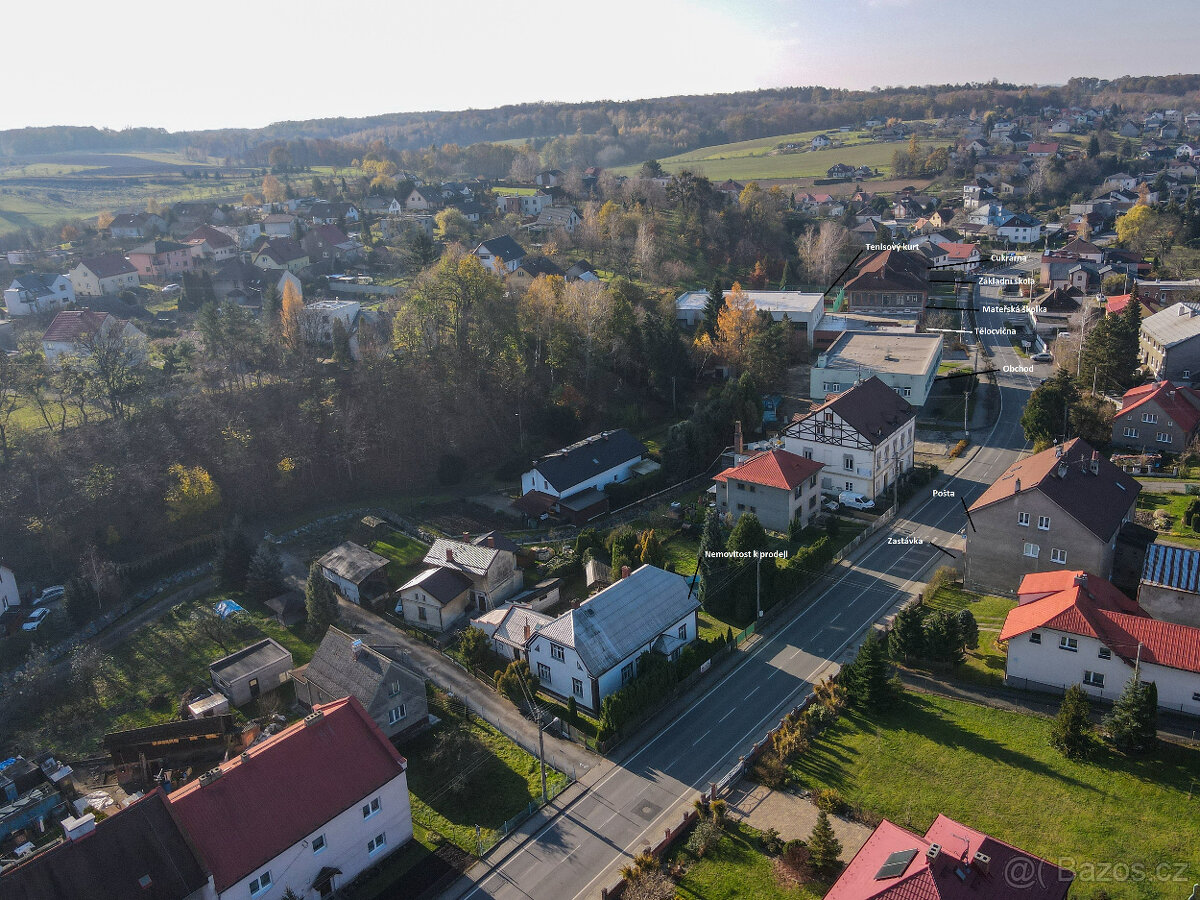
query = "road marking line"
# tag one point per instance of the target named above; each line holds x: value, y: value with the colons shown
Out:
x: 702, y: 737
x: 727, y: 715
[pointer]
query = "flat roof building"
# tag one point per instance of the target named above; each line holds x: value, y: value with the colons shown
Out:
x: 907, y: 363
x: 803, y: 309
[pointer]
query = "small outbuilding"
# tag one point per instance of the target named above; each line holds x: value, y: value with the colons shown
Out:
x: 356, y: 573
x: 258, y: 669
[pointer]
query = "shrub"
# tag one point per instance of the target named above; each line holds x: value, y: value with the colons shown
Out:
x: 771, y: 842
x: 830, y: 800
x: 703, y: 838
x: 819, y: 717
x: 1072, y: 733
x: 770, y: 771
x: 959, y: 448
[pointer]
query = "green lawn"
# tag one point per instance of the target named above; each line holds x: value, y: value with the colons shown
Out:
x: 737, y: 869
x: 145, y: 678
x: 470, y: 775
x: 405, y: 554
x: 996, y: 771
x: 1174, y: 505
x: 984, y: 665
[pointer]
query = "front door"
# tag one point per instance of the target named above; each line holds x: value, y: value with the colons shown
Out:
x: 253, y: 688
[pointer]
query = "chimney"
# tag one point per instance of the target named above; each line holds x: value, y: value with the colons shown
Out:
x: 356, y: 647
x: 737, y: 438
x: 491, y: 542
x: 1062, y: 470
x: 932, y: 853
x: 313, y: 718
x: 75, y: 828
x: 466, y: 537
x: 624, y: 571
x: 527, y: 631
x: 1018, y: 490
x: 1080, y: 580
x: 1095, y: 462
x: 981, y: 863
x: 449, y: 554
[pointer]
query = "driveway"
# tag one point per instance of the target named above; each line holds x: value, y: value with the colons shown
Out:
x: 565, y: 756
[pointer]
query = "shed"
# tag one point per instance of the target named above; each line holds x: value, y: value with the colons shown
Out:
x: 251, y: 671
x: 358, y: 574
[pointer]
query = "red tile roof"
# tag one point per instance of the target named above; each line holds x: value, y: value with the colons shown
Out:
x: 292, y: 784
x: 959, y: 250
x: 1102, y: 592
x: 773, y: 468
x: 939, y: 879
x: 211, y: 236
x: 70, y: 325
x: 1168, y: 398
x: 1100, y: 611
x: 1098, y: 502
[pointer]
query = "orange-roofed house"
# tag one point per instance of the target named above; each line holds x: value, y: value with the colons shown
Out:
x: 951, y: 862
x: 1076, y: 628
x: 775, y: 485
x: 964, y: 257
x: 1060, y: 509
x: 309, y: 808
x: 1157, y: 417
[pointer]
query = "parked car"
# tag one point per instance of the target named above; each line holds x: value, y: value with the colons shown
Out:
x: 35, y: 619
x: 54, y: 592
x: 831, y: 506
x: 1042, y: 357
x: 171, y: 289
x: 855, y: 500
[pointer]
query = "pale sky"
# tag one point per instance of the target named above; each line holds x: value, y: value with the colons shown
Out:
x: 225, y: 63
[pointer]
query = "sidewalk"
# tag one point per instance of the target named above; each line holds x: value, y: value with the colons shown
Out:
x: 565, y: 756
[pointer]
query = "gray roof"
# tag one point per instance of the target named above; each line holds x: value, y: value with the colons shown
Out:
x: 40, y: 283
x: 586, y: 459
x: 511, y: 629
x: 338, y: 671
x: 498, y: 541
x: 1173, y: 325
x: 504, y: 247
x: 352, y: 562
x: 613, y: 624
x: 442, y: 584
x: 1172, y: 567
x: 466, y: 557
x: 250, y: 659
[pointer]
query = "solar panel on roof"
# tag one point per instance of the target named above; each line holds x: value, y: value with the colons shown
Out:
x: 894, y: 865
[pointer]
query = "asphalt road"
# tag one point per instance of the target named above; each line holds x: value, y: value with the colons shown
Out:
x: 631, y: 804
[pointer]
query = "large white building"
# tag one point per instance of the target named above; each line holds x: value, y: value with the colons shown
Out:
x: 803, y: 309
x: 1071, y: 627
x: 38, y: 292
x: 590, y: 652
x: 864, y: 438
x: 907, y: 363
x: 9, y: 597
x: 309, y: 808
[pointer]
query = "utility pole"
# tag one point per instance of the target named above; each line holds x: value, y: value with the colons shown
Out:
x: 542, y: 751
x: 672, y: 395
x: 966, y: 397
x: 757, y: 586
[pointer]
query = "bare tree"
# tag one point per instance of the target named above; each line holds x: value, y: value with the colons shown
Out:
x: 589, y: 305
x: 115, y: 358
x: 821, y: 250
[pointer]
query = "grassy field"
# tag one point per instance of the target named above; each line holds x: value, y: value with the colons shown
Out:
x: 1174, y: 505
x: 996, y: 771
x: 984, y: 665
x: 405, y: 555
x: 737, y: 868
x: 754, y: 159
x: 144, y: 678
x: 471, y: 774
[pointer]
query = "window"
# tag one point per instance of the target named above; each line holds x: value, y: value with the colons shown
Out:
x: 1150, y: 418
x: 1163, y: 438
x: 848, y: 463
x: 1035, y: 637
x: 421, y: 613
x: 1130, y: 432
x: 908, y: 392
x: 812, y: 482
x: 754, y: 509
x: 1068, y: 643
x: 1023, y: 519
x: 683, y: 632
x: 371, y: 808
x: 543, y: 673
x: 1058, y: 556
x: 1187, y: 373
x: 396, y: 713
x: 393, y: 689
x: 260, y: 884
x: 740, y: 486
x: 849, y: 485
x: 1105, y: 653
x: 1043, y: 523
x: 1094, y: 679
x: 1033, y: 551
x: 828, y: 417
x: 375, y: 844
x: 318, y: 843
x: 576, y: 687
x: 626, y: 673
x: 1196, y: 696
x: 808, y: 452
x: 556, y: 652
x: 741, y: 506
x: 812, y: 501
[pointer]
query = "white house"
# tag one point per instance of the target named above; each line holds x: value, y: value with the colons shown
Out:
x: 1076, y: 628
x: 100, y: 275
x: 9, y: 597
x: 356, y: 573
x: 309, y: 808
x: 72, y: 329
x: 590, y: 652
x: 821, y: 141
x: 490, y: 568
x: 906, y: 363
x: 589, y: 464
x: 500, y: 252
x: 564, y: 217
x: 320, y: 317
x: 1021, y: 228
x: 803, y: 309
x: 38, y: 292
x: 863, y: 437
x: 522, y: 203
